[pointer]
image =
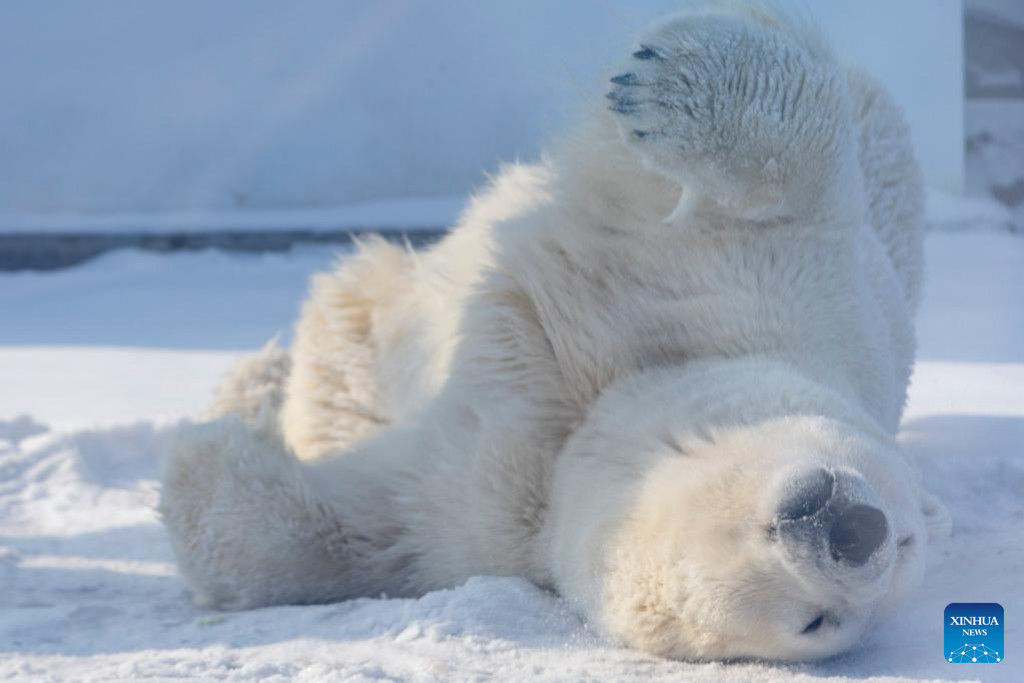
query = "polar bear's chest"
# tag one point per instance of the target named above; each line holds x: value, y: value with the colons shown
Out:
x: 627, y: 313
x: 699, y: 298
x: 642, y: 324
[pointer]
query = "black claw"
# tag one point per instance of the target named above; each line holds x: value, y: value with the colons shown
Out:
x: 626, y: 79
x: 619, y: 98
x: 623, y: 108
x: 621, y: 103
x: 646, y: 53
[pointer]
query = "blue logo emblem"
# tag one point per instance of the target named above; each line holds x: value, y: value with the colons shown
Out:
x: 974, y: 633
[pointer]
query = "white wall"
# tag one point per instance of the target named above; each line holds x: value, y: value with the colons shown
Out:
x: 190, y: 104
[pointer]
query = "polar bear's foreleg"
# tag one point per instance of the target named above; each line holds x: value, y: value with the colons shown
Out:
x: 744, y: 109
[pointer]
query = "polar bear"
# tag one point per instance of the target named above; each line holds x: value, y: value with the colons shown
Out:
x: 659, y: 372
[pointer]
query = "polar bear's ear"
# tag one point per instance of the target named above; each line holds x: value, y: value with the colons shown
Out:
x: 936, y: 517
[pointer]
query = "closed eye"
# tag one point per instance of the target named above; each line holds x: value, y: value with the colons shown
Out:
x: 815, y: 624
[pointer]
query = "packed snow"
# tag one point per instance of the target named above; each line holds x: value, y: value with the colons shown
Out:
x: 99, y: 362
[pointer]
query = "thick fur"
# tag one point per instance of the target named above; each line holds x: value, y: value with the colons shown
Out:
x: 607, y: 375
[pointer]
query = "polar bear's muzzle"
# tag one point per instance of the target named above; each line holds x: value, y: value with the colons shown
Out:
x: 832, y: 520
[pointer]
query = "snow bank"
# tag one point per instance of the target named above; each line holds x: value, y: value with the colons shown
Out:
x: 188, y: 300
x: 976, y: 212
x: 194, y: 106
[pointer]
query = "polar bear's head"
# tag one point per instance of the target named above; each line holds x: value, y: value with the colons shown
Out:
x: 779, y: 538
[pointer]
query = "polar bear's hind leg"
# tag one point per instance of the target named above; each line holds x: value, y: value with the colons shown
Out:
x: 334, y: 398
x: 243, y: 523
x: 254, y: 389
x: 251, y: 526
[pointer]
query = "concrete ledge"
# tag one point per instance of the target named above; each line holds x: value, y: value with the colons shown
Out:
x: 53, y: 250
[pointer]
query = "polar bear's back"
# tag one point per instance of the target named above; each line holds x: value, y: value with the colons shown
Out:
x: 892, y: 180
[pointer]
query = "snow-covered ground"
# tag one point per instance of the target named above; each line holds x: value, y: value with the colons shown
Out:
x: 100, y: 362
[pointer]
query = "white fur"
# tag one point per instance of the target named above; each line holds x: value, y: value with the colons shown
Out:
x: 606, y: 376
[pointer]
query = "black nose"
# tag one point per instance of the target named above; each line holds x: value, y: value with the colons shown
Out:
x: 810, y: 493
x: 856, y: 533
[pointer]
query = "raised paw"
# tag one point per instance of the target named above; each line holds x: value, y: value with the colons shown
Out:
x: 734, y: 103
